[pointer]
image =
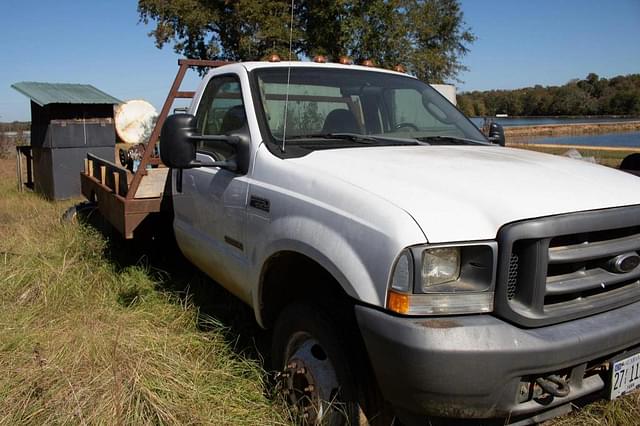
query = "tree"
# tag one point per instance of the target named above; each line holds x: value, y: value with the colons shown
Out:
x: 428, y: 36
x: 593, y: 95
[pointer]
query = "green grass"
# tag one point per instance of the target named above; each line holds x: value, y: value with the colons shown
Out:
x: 97, y: 331
x: 92, y: 333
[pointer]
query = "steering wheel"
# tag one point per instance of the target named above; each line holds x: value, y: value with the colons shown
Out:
x: 401, y: 125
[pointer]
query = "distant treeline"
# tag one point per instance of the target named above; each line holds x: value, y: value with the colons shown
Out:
x: 592, y: 96
x: 15, y: 126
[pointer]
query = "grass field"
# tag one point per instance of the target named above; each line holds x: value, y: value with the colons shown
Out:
x: 94, y: 330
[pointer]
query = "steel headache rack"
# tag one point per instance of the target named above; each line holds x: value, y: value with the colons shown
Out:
x: 124, y: 198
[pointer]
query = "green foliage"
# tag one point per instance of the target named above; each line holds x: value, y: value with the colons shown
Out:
x: 592, y: 96
x: 427, y: 36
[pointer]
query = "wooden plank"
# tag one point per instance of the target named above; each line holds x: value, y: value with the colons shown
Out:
x: 111, y: 168
x: 19, y: 170
x: 116, y: 183
x: 152, y: 185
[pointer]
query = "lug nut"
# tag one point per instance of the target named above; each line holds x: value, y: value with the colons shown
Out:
x: 309, y: 388
x: 301, y: 370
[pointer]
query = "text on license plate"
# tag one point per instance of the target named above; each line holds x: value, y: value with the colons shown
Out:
x: 625, y: 376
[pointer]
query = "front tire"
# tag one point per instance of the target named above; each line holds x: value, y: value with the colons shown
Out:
x: 321, y: 369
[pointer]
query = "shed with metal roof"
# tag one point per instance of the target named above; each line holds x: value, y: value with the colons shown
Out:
x: 67, y: 121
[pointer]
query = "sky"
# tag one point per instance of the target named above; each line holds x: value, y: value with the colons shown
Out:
x: 520, y: 43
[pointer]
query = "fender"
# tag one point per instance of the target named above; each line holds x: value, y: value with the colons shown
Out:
x: 312, y: 239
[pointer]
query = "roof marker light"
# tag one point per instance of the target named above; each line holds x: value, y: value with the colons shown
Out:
x: 400, y: 68
x: 321, y: 59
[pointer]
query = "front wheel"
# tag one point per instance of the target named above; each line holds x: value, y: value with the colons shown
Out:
x: 320, y: 376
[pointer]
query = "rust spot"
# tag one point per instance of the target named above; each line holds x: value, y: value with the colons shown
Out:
x: 439, y: 323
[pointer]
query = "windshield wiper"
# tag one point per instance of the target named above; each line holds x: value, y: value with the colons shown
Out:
x: 353, y: 137
x: 358, y: 137
x: 450, y: 139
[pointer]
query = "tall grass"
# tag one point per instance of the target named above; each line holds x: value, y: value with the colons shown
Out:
x: 85, y: 339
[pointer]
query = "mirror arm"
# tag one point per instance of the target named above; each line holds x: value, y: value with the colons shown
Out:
x: 227, y: 164
x: 230, y: 140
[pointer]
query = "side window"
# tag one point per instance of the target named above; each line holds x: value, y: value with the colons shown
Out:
x: 221, y: 111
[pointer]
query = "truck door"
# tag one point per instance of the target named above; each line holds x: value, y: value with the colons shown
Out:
x: 211, y: 211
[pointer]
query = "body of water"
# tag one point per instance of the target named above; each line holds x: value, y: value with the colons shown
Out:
x: 538, y: 121
x: 628, y: 139
x: 622, y: 139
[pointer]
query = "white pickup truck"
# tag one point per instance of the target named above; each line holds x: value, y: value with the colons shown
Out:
x: 410, y: 267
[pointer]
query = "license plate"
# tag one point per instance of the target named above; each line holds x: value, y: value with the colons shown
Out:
x: 625, y: 376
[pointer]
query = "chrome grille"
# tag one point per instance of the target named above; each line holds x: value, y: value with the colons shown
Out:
x: 580, y: 269
x: 558, y: 268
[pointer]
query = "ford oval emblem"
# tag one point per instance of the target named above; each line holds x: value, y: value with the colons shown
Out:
x: 624, y: 263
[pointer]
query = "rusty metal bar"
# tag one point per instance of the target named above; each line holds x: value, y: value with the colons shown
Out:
x: 142, y: 168
x: 166, y: 108
x: 202, y: 63
x: 185, y: 95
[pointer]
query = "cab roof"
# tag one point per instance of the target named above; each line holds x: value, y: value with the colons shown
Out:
x: 250, y: 66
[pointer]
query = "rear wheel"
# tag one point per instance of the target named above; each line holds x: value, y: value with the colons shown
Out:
x: 320, y: 373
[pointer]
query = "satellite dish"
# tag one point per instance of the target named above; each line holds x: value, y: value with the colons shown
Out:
x: 135, y: 120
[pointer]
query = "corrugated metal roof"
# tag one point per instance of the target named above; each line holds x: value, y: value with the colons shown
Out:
x: 63, y: 93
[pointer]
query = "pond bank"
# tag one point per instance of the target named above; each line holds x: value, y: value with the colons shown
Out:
x: 572, y: 129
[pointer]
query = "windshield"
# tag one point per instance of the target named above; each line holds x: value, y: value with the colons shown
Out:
x: 329, y: 107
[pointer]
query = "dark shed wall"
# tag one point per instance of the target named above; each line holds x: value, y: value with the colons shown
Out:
x: 72, y: 125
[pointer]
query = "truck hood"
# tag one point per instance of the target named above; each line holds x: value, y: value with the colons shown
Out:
x: 463, y: 193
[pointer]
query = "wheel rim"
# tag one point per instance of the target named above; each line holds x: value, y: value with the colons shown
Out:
x: 309, y: 380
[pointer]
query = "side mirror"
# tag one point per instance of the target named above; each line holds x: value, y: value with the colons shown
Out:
x: 496, y: 134
x: 177, y: 149
x: 178, y: 140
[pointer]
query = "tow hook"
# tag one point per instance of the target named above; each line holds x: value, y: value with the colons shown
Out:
x: 554, y: 385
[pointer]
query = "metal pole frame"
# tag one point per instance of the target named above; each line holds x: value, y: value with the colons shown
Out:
x: 174, y: 92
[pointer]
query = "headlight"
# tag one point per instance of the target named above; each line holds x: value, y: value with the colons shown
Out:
x: 448, y: 279
x: 440, y: 265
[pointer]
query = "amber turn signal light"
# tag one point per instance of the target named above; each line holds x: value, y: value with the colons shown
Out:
x: 398, y: 302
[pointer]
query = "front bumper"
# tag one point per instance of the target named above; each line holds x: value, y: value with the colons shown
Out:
x: 472, y: 366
